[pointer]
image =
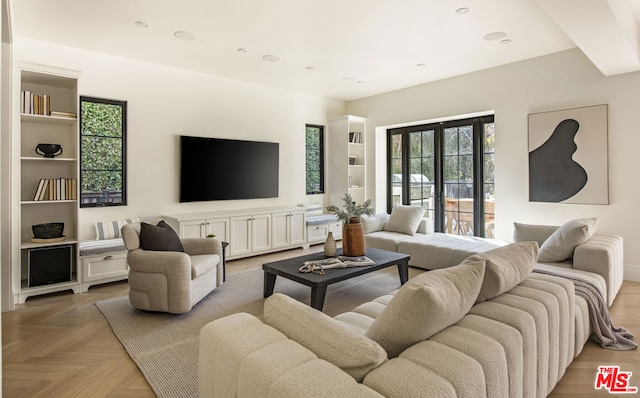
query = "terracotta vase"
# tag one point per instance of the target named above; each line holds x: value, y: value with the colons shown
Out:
x: 353, y: 243
x: 330, y: 246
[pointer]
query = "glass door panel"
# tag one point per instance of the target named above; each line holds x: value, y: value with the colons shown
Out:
x: 489, y: 185
x: 396, y: 170
x: 458, y: 180
x: 422, y: 173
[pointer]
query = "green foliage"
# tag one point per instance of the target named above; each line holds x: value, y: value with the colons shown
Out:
x: 351, y: 209
x: 313, y: 152
x: 102, y: 139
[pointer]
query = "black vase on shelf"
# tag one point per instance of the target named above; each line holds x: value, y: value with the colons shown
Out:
x: 49, y: 150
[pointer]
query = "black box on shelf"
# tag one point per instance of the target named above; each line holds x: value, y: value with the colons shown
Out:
x: 51, y: 264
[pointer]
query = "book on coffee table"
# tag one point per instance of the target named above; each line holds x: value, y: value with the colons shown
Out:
x: 319, y: 266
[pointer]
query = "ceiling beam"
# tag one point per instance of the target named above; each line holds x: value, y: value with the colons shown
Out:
x: 607, y: 31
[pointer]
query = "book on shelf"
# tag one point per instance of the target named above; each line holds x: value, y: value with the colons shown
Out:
x: 56, y: 189
x: 318, y: 266
x: 63, y: 114
x: 355, y: 138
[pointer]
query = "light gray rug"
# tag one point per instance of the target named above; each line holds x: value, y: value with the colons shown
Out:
x: 165, y: 347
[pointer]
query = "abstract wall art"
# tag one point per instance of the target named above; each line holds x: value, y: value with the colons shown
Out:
x: 568, y: 156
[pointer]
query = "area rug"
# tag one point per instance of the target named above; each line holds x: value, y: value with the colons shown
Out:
x: 165, y: 346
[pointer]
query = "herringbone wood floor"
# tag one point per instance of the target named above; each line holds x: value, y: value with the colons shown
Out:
x: 60, y: 345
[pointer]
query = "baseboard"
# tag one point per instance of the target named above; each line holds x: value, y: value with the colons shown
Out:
x: 632, y: 273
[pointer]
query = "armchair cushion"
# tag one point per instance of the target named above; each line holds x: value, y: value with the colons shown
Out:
x: 203, y: 263
x: 159, y: 237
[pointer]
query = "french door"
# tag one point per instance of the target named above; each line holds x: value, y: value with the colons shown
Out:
x: 448, y: 168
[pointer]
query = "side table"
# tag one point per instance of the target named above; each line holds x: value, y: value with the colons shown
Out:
x: 224, y: 266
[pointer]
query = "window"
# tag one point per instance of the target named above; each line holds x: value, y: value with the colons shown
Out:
x: 103, y: 133
x: 315, y: 159
x: 447, y: 168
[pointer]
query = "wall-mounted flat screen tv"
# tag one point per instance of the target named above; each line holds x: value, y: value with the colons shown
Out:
x: 224, y: 169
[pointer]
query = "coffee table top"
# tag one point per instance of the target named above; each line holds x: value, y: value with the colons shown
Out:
x: 289, y: 268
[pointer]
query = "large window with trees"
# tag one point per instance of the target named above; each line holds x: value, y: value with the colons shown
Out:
x: 103, y: 133
x: 448, y: 169
x: 314, y: 159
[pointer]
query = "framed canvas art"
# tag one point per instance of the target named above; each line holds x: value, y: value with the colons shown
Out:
x: 568, y: 160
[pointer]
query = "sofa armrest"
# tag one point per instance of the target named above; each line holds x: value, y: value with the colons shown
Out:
x: 602, y: 255
x: 239, y: 356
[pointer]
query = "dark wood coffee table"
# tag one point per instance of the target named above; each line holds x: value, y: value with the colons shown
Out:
x: 289, y: 269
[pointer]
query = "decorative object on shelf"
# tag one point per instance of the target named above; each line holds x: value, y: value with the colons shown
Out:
x: 353, y: 243
x: 352, y: 160
x: 330, y: 245
x: 211, y: 236
x: 52, y: 230
x: 49, y: 150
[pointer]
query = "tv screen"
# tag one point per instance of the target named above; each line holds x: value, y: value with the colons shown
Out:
x: 223, y: 169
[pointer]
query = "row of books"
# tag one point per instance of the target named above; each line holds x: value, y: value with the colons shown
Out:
x: 56, y: 189
x: 34, y: 104
x: 355, y: 138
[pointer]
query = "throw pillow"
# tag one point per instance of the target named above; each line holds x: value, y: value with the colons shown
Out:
x: 505, y: 267
x: 374, y: 223
x: 329, y: 339
x: 425, y: 305
x: 532, y: 232
x: 159, y: 237
x: 405, y: 219
x: 561, y: 244
x: 111, y: 229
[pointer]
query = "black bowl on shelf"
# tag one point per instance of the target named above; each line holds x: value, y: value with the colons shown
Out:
x: 48, y: 230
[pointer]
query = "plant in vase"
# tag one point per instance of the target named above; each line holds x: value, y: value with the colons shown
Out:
x: 353, y: 243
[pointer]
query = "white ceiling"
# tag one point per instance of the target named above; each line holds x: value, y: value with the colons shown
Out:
x: 357, y: 48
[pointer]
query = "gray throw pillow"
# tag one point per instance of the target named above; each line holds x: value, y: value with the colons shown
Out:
x: 405, y: 219
x: 159, y: 237
x: 425, y: 305
x: 561, y: 244
x: 505, y: 267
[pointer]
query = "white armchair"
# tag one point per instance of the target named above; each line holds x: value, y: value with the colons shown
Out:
x: 169, y: 281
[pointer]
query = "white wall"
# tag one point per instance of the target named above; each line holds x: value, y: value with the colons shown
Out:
x: 558, y: 81
x: 164, y: 103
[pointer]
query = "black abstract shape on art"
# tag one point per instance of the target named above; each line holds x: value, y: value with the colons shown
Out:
x: 553, y: 175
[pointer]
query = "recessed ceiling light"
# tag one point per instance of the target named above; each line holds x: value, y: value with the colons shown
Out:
x: 241, y: 50
x: 505, y: 41
x: 421, y: 65
x: 360, y: 81
x: 310, y: 68
x: 462, y: 10
x: 271, y: 58
x: 495, y: 36
x: 349, y: 79
x: 141, y: 24
x: 184, y: 35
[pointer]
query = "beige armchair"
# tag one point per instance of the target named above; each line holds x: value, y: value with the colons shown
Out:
x: 167, y: 281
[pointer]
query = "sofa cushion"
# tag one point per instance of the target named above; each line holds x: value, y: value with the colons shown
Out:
x: 329, y: 339
x: 405, y: 219
x: 159, y: 237
x: 532, y: 232
x: 374, y: 223
x: 111, y: 229
x: 561, y: 244
x: 505, y: 267
x: 425, y: 305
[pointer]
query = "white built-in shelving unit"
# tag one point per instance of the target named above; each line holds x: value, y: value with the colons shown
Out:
x: 29, y: 130
x: 346, y: 171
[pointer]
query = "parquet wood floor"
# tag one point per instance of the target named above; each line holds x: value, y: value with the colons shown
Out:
x: 60, y: 345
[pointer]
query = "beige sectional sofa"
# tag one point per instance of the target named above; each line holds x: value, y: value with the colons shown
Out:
x: 487, y: 327
x: 600, y: 254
